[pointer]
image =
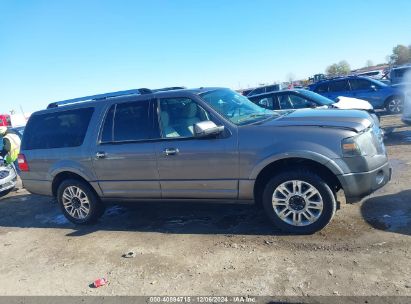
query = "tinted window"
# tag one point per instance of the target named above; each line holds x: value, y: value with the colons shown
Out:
x: 132, y: 121
x: 360, y: 84
x: 338, y: 86
x: 264, y: 102
x: 299, y: 102
x: 57, y: 130
x: 179, y: 115
x: 321, y: 88
x: 258, y: 91
x: 285, y: 102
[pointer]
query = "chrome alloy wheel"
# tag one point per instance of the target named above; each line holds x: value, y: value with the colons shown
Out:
x: 76, y: 202
x: 395, y: 105
x: 297, y: 203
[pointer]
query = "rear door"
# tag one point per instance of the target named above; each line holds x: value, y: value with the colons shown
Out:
x: 367, y: 90
x: 125, y: 158
x: 338, y: 88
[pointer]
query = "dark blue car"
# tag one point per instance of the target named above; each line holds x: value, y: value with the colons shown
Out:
x: 378, y: 94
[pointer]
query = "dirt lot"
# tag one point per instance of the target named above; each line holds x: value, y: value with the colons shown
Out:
x: 183, y: 249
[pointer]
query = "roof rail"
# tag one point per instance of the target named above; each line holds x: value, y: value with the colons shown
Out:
x: 99, y: 97
x: 168, y: 89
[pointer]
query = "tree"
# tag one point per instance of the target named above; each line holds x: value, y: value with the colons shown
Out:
x: 369, y: 63
x: 401, y: 54
x: 338, y: 69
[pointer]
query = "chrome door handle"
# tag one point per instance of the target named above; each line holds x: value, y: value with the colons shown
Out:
x: 100, y: 155
x: 170, y: 151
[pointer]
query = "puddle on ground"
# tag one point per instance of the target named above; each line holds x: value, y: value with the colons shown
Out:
x: 54, y: 219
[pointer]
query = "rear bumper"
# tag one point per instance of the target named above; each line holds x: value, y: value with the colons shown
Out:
x: 358, y: 185
x: 38, y: 187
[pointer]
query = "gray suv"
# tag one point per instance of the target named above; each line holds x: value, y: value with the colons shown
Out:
x: 201, y: 145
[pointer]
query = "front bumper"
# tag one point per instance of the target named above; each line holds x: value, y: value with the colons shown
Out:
x: 8, y: 182
x: 358, y: 185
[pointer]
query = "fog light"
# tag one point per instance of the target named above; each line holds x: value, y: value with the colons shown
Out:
x: 379, y: 178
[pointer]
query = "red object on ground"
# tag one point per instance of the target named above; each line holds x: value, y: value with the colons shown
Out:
x: 100, y: 282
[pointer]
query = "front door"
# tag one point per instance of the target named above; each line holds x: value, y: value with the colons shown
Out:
x: 125, y: 158
x: 192, y: 167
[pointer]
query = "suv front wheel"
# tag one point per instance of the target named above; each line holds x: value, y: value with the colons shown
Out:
x: 394, y: 105
x: 299, y: 202
x: 78, y: 202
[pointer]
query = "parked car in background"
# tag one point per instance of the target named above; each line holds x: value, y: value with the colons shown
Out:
x: 8, y: 177
x: 376, y: 74
x: 264, y: 89
x: 378, y: 94
x: 301, y: 99
x: 400, y: 74
x: 5, y: 120
x: 207, y: 144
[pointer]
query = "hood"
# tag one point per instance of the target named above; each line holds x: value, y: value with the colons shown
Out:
x: 348, y: 103
x: 353, y: 120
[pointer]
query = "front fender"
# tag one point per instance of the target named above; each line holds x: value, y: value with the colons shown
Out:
x: 302, y: 154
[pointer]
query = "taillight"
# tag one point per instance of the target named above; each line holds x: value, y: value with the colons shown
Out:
x: 23, y: 165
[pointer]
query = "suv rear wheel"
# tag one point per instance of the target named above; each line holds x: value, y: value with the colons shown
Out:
x: 394, y: 105
x: 299, y: 202
x: 78, y: 202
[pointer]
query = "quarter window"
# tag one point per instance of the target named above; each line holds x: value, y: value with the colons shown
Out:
x: 62, y: 129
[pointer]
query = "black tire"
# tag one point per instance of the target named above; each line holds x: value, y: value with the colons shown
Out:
x: 96, y: 207
x: 394, y: 108
x: 328, y: 198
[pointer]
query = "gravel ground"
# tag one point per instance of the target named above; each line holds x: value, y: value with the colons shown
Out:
x: 183, y: 249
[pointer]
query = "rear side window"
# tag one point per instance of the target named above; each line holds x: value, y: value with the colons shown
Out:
x: 129, y: 121
x: 360, y: 84
x: 321, y: 88
x: 62, y: 129
x: 339, y: 86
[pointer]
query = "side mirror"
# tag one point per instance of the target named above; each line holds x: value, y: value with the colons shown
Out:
x: 207, y: 129
x: 263, y: 103
x: 312, y: 105
x: 373, y: 88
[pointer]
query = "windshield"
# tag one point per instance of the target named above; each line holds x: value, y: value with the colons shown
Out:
x: 316, y: 97
x: 235, y: 107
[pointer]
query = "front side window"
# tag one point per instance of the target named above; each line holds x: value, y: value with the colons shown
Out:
x: 299, y: 102
x: 360, y: 84
x: 235, y: 107
x: 178, y: 117
x: 62, y: 129
x: 285, y: 102
x: 264, y: 102
x: 130, y: 121
x: 339, y: 86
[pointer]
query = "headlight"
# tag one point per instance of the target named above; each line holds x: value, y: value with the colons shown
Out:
x: 350, y: 147
x: 364, y: 144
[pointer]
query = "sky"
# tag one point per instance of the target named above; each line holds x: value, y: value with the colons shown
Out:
x: 55, y: 50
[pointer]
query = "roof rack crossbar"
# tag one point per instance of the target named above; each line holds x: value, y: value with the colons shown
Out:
x: 97, y: 97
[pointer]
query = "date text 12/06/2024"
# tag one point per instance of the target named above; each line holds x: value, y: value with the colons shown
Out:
x: 202, y: 299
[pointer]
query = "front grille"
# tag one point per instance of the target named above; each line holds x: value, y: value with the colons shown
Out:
x: 4, y: 174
